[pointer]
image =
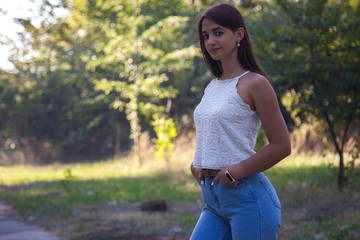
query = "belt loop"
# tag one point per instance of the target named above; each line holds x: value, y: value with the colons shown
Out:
x: 209, y: 173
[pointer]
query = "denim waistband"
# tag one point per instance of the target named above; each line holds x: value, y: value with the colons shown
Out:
x: 254, y: 178
x: 250, y: 179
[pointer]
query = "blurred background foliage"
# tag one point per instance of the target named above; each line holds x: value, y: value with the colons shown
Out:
x: 89, y: 83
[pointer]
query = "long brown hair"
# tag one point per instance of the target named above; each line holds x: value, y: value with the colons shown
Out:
x: 228, y: 16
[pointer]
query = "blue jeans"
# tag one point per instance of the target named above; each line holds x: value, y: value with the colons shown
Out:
x: 249, y: 211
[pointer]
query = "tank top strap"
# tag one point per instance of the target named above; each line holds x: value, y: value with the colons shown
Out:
x: 244, y: 74
x: 237, y: 79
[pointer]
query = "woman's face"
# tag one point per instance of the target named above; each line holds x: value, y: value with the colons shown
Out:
x: 220, y: 42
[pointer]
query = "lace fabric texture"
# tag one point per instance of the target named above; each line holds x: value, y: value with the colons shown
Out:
x: 226, y: 127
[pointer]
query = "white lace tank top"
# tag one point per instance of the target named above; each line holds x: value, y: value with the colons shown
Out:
x: 226, y: 127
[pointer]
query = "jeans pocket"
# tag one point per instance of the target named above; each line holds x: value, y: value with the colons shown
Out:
x: 205, y: 192
x: 240, y: 183
x: 271, y: 191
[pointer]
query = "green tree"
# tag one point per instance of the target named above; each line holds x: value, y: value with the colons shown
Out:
x: 143, y: 56
x: 165, y: 130
x: 317, y: 48
x: 55, y: 102
x: 142, y: 48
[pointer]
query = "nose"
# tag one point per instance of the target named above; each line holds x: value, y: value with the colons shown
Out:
x: 211, y: 40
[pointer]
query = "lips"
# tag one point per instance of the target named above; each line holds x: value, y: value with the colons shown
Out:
x: 214, y: 50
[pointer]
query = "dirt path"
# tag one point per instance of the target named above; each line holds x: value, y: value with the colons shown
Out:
x: 13, y: 227
x: 116, y: 221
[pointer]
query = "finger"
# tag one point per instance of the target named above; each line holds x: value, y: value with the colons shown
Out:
x: 201, y: 177
x: 193, y: 171
x: 216, y: 180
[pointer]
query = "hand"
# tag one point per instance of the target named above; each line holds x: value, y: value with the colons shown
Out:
x: 198, y: 174
x: 223, y: 179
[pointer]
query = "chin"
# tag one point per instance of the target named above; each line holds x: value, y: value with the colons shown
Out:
x: 216, y: 58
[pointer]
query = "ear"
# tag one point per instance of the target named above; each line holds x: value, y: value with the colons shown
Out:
x: 240, y: 33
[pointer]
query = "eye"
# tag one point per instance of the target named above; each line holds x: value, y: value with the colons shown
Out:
x: 205, y: 36
x: 218, y: 33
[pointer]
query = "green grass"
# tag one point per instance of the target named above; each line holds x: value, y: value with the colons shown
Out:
x: 306, y: 186
x: 31, y: 189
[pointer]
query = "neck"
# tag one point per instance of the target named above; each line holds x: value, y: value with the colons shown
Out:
x: 231, y: 69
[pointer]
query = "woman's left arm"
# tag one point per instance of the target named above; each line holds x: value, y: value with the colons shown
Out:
x: 266, y: 104
x: 264, y: 100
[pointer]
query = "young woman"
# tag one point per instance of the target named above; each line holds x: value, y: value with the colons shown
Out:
x: 240, y: 202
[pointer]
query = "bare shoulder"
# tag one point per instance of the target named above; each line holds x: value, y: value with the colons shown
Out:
x: 258, y: 85
x: 260, y: 91
x: 253, y: 80
x: 253, y: 87
x: 257, y: 80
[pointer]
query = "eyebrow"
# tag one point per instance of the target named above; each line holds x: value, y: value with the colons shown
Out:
x: 213, y: 30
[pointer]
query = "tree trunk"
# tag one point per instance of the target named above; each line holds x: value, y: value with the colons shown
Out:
x: 137, y: 128
x: 117, y: 147
x: 137, y: 149
x: 341, y: 173
x: 339, y: 149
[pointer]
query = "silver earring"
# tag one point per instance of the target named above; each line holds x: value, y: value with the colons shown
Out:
x: 238, y: 44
